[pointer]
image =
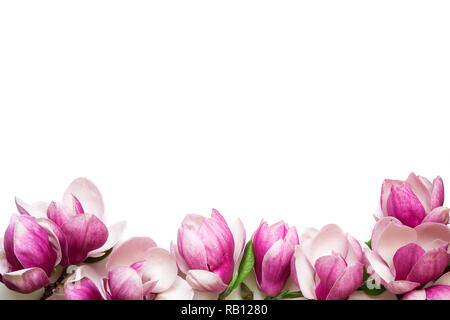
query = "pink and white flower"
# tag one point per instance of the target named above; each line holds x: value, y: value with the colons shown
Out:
x: 327, y: 264
x: 29, y: 252
x: 79, y: 222
x: 136, y: 270
x: 208, y: 252
x: 414, y: 201
x: 273, y: 248
x: 404, y: 258
x: 439, y: 290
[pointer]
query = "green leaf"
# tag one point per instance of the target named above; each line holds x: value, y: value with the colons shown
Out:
x: 97, y: 259
x: 371, y: 289
x: 369, y: 244
x: 248, y: 260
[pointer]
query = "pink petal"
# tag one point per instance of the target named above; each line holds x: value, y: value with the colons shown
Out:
x: 303, y: 273
x: 404, y: 205
x: 84, y: 233
x: 77, y: 207
x: 330, y: 239
x: 180, y: 290
x: 393, y: 237
x: 430, y: 266
x: 405, y: 258
x: 58, y: 214
x: 85, y: 289
x: 307, y: 234
x: 218, y: 241
x: 276, y: 264
x: 348, y: 282
x: 26, y: 280
x: 129, y: 252
x: 192, y: 249
x: 438, y: 293
x: 444, y: 279
x: 115, y: 233
x: 32, y: 246
x: 125, y: 284
x: 205, y: 281
x: 377, y: 266
x: 37, y: 209
x: 8, y: 245
x: 238, y: 231
x: 57, y: 240
x: 419, y: 294
x: 160, y: 266
x: 438, y: 215
x: 184, y: 268
x: 385, y: 192
x: 401, y: 286
x: 429, y: 232
x: 329, y: 269
x: 437, y: 195
x: 88, y: 195
x: 193, y: 221
x: 355, y: 253
x: 420, y: 190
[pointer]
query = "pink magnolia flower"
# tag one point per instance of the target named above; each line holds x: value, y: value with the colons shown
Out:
x: 414, y: 201
x: 327, y: 264
x: 273, y: 248
x: 136, y: 270
x: 79, y: 222
x: 208, y: 251
x: 404, y: 258
x: 439, y: 290
x: 29, y: 252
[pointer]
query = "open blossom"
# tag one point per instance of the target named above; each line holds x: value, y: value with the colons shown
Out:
x: 414, y: 201
x: 439, y: 290
x: 136, y: 270
x: 30, y: 250
x: 273, y: 248
x: 327, y: 264
x: 79, y: 221
x: 208, y: 251
x: 404, y: 258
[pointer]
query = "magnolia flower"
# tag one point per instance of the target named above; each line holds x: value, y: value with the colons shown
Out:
x: 273, y: 247
x: 439, y: 290
x: 208, y: 252
x: 404, y: 258
x: 136, y: 270
x: 29, y: 252
x: 327, y: 264
x: 79, y: 221
x: 414, y: 201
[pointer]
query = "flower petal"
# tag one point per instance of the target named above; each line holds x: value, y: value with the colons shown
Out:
x: 87, y: 194
x: 58, y: 213
x: 26, y: 280
x: 439, y: 292
x: 330, y: 239
x: 420, y: 190
x: 303, y: 273
x: 37, y: 209
x: 443, y: 280
x: 438, y: 215
x: 329, y: 269
x: 193, y: 221
x: 405, y: 258
x: 57, y: 240
x: 184, y: 268
x: 429, y: 232
x: 238, y: 231
x: 160, y: 266
x: 180, y: 290
x: 401, y: 286
x: 429, y: 266
x: 377, y: 266
x: 192, y: 249
x: 418, y: 294
x: 32, y: 246
x: 85, y: 289
x: 125, y: 284
x: 437, y: 195
x: 404, y: 205
x: 131, y: 251
x: 84, y: 233
x: 205, y: 281
x: 8, y: 245
x: 114, y: 234
x: 348, y: 282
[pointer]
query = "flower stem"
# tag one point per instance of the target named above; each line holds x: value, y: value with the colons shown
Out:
x: 48, y: 292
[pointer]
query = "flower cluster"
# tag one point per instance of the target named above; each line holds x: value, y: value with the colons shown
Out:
x: 65, y: 250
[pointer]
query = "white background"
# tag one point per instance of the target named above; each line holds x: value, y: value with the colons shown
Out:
x: 276, y: 110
